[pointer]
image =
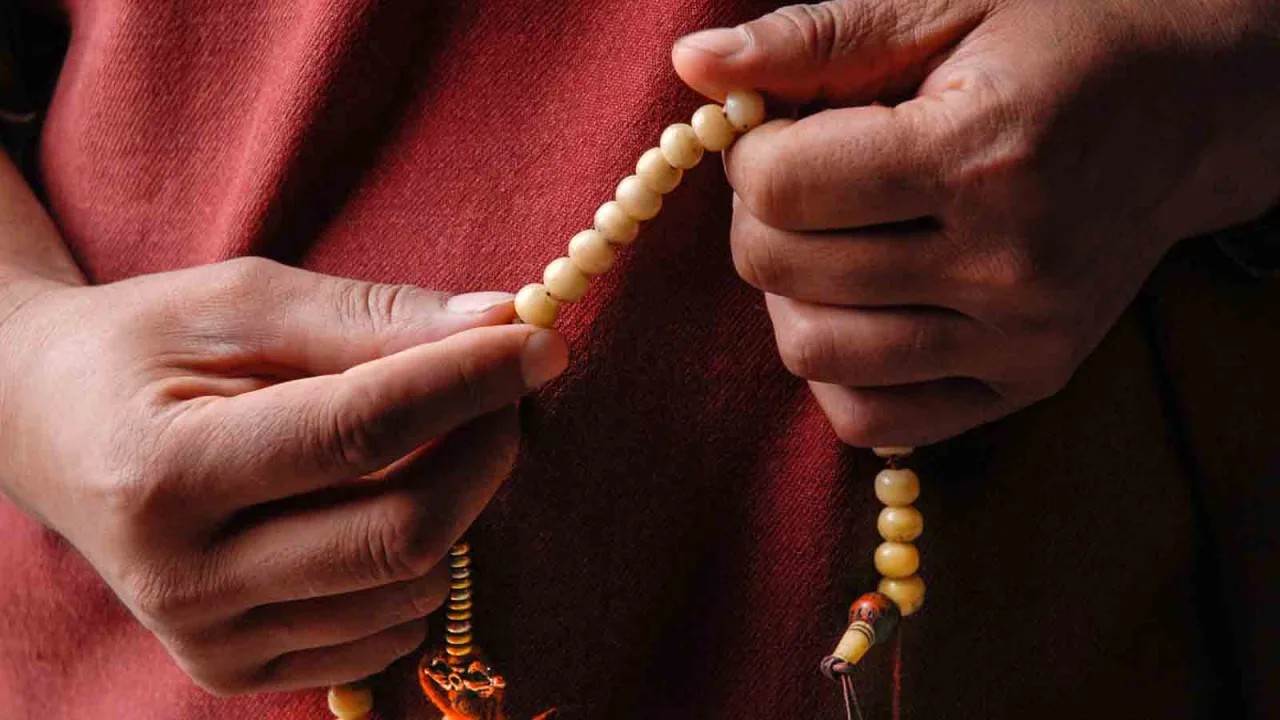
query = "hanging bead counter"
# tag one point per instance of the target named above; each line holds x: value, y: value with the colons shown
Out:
x: 873, y: 617
x: 456, y: 677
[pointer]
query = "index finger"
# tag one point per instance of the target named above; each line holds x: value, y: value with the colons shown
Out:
x: 306, y: 434
x: 846, y: 167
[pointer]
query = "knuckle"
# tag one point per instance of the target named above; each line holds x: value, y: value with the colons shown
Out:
x: 470, y: 382
x: 220, y: 688
x: 1004, y: 183
x: 355, y: 437
x: 244, y: 273
x: 768, y: 187
x: 219, y: 684
x: 860, y: 422
x: 377, y: 306
x: 1015, y: 269
x: 399, y: 544
x: 824, y: 30
x: 925, y: 341
x: 814, y: 26
x: 806, y: 347
x: 141, y: 475
x: 162, y: 599
x: 426, y: 599
x: 406, y: 639
x: 758, y: 263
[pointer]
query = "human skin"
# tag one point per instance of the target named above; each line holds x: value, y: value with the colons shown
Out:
x: 181, y: 429
x: 266, y: 465
x: 987, y: 187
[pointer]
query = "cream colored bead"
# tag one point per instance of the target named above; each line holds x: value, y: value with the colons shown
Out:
x: 892, y: 452
x: 637, y: 198
x: 712, y: 128
x: 591, y: 252
x: 536, y: 307
x: 900, y: 524
x: 908, y: 592
x: 657, y: 173
x: 898, y: 487
x: 350, y: 702
x: 565, y: 281
x: 744, y: 109
x: 615, y: 224
x: 680, y: 146
x: 897, y: 560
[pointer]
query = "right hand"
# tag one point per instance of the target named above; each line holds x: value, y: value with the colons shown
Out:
x: 247, y: 454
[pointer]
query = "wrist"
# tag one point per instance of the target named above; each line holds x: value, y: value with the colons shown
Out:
x: 20, y: 293
x: 17, y: 288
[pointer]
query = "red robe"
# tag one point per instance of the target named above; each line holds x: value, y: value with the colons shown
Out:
x: 683, y: 532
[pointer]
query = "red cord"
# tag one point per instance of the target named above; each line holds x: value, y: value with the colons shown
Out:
x: 897, y: 677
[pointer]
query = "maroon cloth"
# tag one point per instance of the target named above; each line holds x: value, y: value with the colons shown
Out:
x: 683, y: 533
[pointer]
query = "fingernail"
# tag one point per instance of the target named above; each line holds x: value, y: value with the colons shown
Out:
x: 545, y: 356
x: 722, y: 42
x: 476, y: 303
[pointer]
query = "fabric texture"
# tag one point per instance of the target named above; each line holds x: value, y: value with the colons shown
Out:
x: 683, y: 532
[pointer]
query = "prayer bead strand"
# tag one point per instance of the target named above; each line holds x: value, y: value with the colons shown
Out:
x: 638, y: 198
x: 874, y: 617
x: 900, y: 523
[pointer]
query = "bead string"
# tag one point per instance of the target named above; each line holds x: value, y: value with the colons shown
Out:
x: 565, y: 280
x: 638, y: 198
x: 873, y: 617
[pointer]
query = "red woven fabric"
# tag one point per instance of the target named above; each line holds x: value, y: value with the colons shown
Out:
x: 683, y: 532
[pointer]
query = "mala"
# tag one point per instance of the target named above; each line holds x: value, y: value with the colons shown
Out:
x: 456, y: 677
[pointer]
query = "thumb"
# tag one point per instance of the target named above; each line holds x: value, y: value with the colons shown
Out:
x: 320, y: 324
x: 842, y: 51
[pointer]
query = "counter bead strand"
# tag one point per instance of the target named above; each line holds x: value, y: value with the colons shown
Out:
x: 897, y: 559
x: 874, y: 616
x: 458, y: 609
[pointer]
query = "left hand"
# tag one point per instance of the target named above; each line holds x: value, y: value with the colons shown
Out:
x: 942, y: 260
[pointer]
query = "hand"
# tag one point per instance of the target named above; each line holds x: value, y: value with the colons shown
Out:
x: 265, y: 464
x: 942, y: 260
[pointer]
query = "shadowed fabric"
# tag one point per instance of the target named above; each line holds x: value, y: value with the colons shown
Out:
x: 683, y: 533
